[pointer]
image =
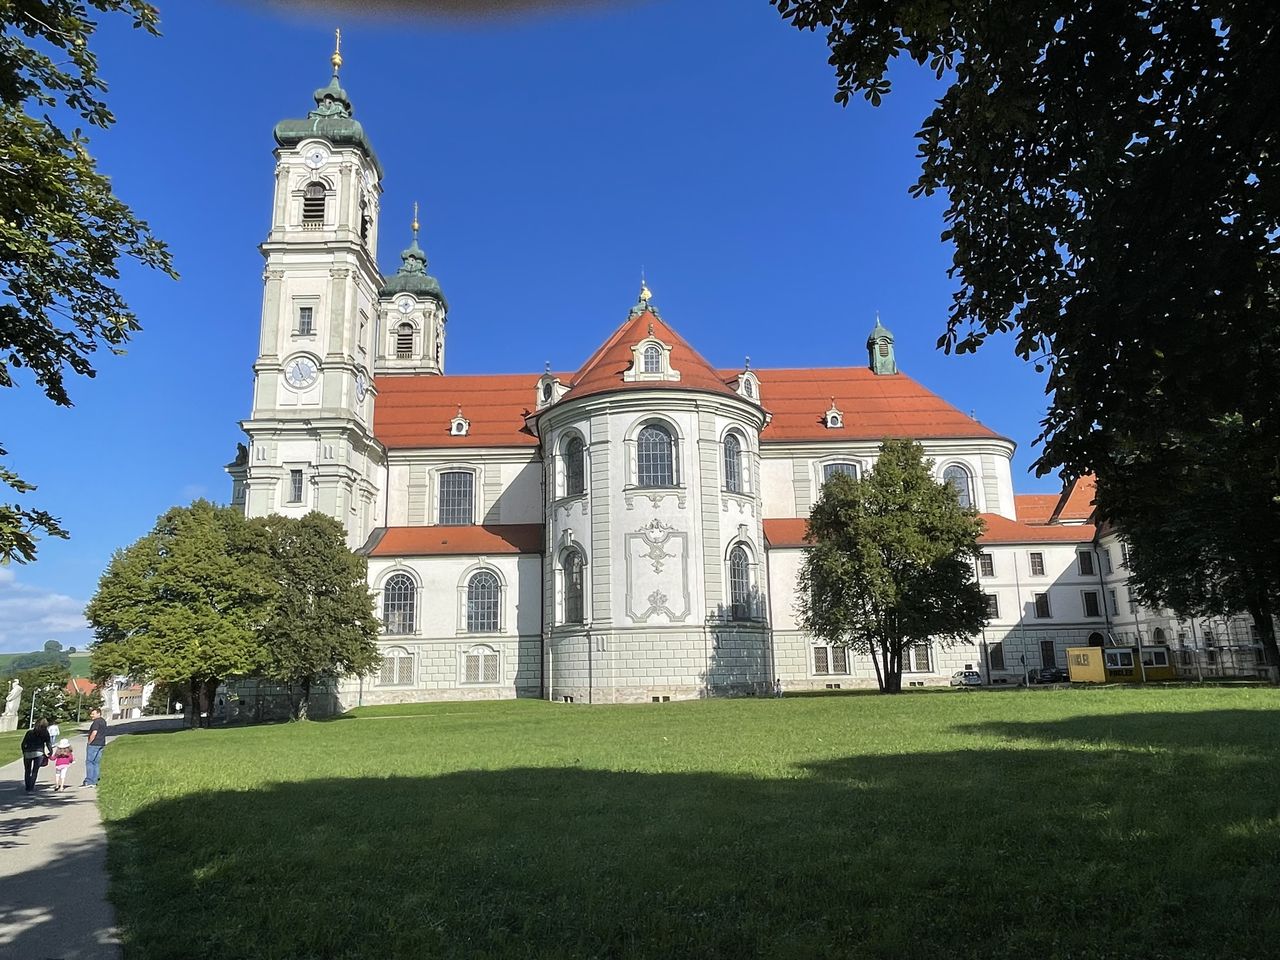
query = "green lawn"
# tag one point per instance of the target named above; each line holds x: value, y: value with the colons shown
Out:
x: 1065, y: 824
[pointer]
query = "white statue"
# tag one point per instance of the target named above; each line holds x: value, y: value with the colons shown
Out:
x: 14, y: 697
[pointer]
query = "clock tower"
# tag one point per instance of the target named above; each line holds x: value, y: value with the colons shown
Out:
x: 311, y: 443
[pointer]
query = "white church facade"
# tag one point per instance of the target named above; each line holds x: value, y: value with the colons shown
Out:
x: 628, y: 531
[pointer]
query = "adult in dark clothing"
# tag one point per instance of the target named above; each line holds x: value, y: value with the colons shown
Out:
x: 35, y: 752
x: 93, y: 749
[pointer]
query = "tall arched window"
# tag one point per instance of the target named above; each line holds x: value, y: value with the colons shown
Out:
x: 457, y: 498
x: 574, y: 467
x: 655, y: 459
x: 573, y: 596
x: 653, y: 358
x: 732, y: 463
x: 399, y: 598
x: 404, y: 341
x: 313, y: 205
x: 739, y: 583
x: 483, y: 597
x: 958, y: 479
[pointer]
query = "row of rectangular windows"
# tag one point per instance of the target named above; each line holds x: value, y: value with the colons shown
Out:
x: 1035, y: 559
x: 1089, y: 599
x: 478, y: 666
x: 834, y: 660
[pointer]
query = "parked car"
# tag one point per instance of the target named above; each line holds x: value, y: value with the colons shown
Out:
x: 966, y: 678
x: 1051, y: 675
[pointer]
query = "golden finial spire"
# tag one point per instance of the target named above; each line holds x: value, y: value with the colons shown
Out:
x: 415, y: 220
x: 645, y: 293
x: 336, y: 59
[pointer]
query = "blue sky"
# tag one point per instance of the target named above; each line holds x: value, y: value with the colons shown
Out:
x: 553, y: 157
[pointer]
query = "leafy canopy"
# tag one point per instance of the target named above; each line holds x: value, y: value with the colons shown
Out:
x: 891, y: 563
x: 187, y: 601
x: 62, y: 230
x: 1112, y: 170
x: 322, y: 624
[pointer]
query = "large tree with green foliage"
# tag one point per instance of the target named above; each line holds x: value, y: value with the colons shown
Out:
x: 891, y: 563
x: 186, y: 603
x: 322, y: 624
x: 62, y: 230
x: 1113, y: 176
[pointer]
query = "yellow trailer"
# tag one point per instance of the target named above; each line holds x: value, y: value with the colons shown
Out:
x: 1120, y: 664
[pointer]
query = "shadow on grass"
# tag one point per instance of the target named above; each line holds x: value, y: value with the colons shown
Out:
x: 1057, y: 851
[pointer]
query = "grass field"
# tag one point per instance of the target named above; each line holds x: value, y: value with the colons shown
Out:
x: 1072, y: 824
x: 79, y: 662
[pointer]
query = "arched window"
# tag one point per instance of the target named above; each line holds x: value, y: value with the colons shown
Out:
x: 574, y: 467
x: 958, y: 479
x: 399, y: 599
x: 655, y: 459
x: 732, y: 463
x: 739, y: 583
x: 845, y: 467
x: 1097, y: 640
x: 404, y: 341
x: 1158, y: 635
x: 397, y: 668
x: 313, y: 205
x: 653, y: 358
x: 483, y: 595
x: 481, y: 665
x: 747, y: 389
x: 573, y: 605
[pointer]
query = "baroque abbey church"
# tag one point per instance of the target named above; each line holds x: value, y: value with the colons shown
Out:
x: 627, y: 531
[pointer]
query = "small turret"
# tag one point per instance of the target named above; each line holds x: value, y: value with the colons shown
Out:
x: 880, y: 350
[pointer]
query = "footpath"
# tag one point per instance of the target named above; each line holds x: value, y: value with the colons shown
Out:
x: 53, y: 861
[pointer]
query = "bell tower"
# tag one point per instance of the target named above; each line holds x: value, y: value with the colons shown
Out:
x: 412, y: 311
x: 311, y: 443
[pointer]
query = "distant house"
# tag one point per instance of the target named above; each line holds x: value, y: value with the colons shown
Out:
x: 81, y: 687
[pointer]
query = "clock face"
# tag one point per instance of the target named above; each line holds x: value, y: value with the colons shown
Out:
x: 315, y: 158
x: 301, y: 372
x: 405, y: 305
x: 362, y: 385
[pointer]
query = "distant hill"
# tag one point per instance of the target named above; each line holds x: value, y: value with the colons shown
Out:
x: 79, y: 662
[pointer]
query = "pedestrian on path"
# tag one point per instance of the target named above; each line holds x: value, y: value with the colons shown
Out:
x: 63, y: 757
x: 35, y: 752
x: 93, y: 749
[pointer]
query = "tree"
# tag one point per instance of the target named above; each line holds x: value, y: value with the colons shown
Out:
x: 322, y: 624
x: 62, y: 230
x: 891, y: 563
x: 1112, y: 174
x: 52, y: 646
x: 47, y: 684
x: 185, y: 603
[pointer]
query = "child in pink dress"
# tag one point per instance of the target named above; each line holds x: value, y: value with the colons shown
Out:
x: 62, y: 760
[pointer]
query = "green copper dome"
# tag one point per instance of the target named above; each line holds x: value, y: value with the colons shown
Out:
x: 331, y: 120
x: 412, y: 277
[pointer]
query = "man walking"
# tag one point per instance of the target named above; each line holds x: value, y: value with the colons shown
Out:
x: 93, y: 750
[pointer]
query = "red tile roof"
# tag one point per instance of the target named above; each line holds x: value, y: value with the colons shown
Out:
x: 603, y: 371
x: 416, y: 411
x: 1077, y: 498
x: 452, y: 541
x: 874, y: 407
x: 1003, y: 530
x: 786, y: 532
x: 81, y: 685
x: 1035, y: 507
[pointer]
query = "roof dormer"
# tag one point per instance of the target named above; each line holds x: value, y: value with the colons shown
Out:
x: 650, y: 360
x: 459, y: 426
x: 833, y: 418
x: 550, y: 389
x: 747, y: 384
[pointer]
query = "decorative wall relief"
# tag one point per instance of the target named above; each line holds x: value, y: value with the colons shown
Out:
x: 655, y: 497
x: 657, y: 572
